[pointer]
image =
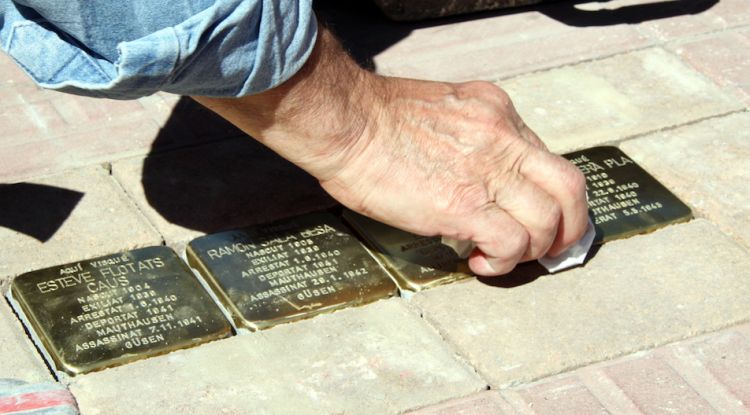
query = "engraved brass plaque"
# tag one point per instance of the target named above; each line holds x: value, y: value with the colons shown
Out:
x: 115, y: 309
x: 625, y: 200
x: 288, y: 270
x: 417, y: 262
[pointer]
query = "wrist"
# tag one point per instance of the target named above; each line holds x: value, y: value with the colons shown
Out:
x: 317, y: 119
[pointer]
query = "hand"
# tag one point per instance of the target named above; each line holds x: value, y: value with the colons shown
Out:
x: 427, y: 157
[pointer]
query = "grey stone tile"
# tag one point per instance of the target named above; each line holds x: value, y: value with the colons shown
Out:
x: 377, y: 359
x: 707, y: 165
x: 18, y: 357
x: 76, y: 215
x: 633, y: 294
x: 216, y: 187
x: 610, y: 99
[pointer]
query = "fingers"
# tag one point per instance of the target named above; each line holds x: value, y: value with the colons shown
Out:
x: 534, y: 209
x: 501, y: 241
x: 566, y: 184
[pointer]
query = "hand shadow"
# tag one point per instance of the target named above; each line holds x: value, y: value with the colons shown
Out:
x: 36, y: 210
x: 529, y: 272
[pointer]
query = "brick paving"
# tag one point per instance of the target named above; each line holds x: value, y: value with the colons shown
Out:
x: 653, y: 324
x: 703, y: 375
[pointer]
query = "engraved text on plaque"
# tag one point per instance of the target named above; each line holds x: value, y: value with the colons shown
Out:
x: 111, y: 310
x: 625, y: 200
x: 288, y: 270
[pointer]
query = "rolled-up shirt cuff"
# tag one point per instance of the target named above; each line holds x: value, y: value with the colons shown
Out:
x: 231, y: 49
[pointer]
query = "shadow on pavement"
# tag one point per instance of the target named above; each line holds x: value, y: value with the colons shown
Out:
x: 224, y: 185
x: 230, y: 182
x: 36, y: 210
x: 207, y: 188
x: 528, y: 272
x: 365, y: 31
x: 567, y: 13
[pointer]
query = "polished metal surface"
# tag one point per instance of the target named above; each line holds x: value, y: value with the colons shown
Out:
x: 417, y: 262
x: 115, y: 309
x: 288, y: 270
x: 624, y: 200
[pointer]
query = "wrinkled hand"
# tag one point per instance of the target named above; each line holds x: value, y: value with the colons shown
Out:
x: 457, y: 160
x: 427, y: 157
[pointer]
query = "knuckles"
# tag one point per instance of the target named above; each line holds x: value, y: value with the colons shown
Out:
x: 491, y: 110
x: 485, y: 90
x: 463, y: 200
x: 549, y: 223
x: 518, y: 244
x: 575, y: 183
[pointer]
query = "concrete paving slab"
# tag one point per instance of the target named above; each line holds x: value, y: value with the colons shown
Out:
x: 46, y: 132
x: 724, y: 57
x: 18, y: 358
x: 667, y: 21
x: 610, y: 99
x: 484, y: 403
x: 707, y: 165
x: 29, y: 155
x: 234, y: 183
x: 377, y: 359
x: 500, y: 46
x: 633, y: 294
x: 68, y: 217
x: 730, y: 13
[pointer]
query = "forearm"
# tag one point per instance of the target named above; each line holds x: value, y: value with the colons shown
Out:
x: 315, y: 118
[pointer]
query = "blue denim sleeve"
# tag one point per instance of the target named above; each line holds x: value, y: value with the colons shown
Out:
x: 129, y: 49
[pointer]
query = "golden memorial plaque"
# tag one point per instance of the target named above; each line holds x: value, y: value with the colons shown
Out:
x: 624, y: 200
x: 288, y: 270
x: 417, y: 262
x: 115, y: 309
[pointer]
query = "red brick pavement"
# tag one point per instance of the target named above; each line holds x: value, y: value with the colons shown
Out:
x: 708, y: 374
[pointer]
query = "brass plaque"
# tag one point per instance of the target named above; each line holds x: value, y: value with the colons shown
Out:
x: 417, y: 262
x: 288, y: 270
x: 625, y: 200
x: 115, y: 309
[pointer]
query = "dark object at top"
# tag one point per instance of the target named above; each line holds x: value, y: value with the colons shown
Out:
x: 404, y: 10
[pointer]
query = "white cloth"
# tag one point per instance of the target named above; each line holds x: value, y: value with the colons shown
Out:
x: 575, y: 255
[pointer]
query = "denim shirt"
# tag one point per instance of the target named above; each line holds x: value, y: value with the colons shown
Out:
x: 132, y: 48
